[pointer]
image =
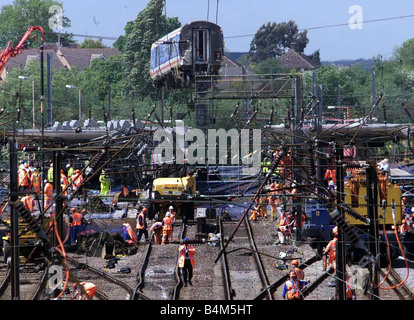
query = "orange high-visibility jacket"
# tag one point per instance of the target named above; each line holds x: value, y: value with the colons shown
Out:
x: 292, y: 289
x: 167, y: 224
x: 331, y: 248
x: 76, y: 219
x: 348, y: 292
x: 183, y: 250
x: 141, y: 221
x: 35, y: 180
x: 48, y: 191
x: 29, y: 203
x: 23, y: 178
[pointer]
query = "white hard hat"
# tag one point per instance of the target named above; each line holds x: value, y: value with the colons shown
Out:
x: 168, y: 214
x: 331, y: 183
x: 171, y: 208
x: 45, y: 181
x: 68, y: 165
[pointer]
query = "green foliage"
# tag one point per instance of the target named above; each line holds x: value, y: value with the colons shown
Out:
x: 125, y: 77
x: 273, y: 39
x: 17, y: 17
x: 269, y: 66
x: 149, y: 26
x: 91, y: 44
x: 121, y: 41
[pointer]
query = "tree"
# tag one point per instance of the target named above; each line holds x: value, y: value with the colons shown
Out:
x: 16, y: 18
x: 149, y: 26
x: 92, y: 44
x: 405, y: 53
x: 273, y: 39
x: 120, y: 42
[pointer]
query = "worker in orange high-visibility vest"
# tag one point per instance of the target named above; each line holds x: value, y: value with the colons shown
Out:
x: 283, y: 229
x: 142, y: 224
x: 263, y: 207
x: 48, y: 190
x: 90, y: 290
x: 291, y: 290
x: 330, y: 250
x: 128, y: 234
x: 350, y: 288
x: 330, y: 174
x: 35, y: 181
x: 166, y: 228
x: 28, y: 202
x: 172, y: 216
x: 404, y: 228
x: 299, y: 272
x: 186, y: 261
x: 76, y: 221
x: 254, y: 211
x: 77, y: 180
x: 23, y: 179
x: 156, y: 229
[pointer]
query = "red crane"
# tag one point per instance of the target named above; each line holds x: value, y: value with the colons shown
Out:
x: 11, y: 52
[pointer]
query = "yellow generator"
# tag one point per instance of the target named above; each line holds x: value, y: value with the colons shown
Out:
x: 176, y: 192
x: 356, y: 197
x: 27, y: 241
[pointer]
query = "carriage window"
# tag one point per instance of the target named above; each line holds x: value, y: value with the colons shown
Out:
x: 201, y: 46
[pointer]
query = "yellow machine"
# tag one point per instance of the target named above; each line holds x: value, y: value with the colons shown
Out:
x: 355, y: 197
x: 175, y: 192
x: 173, y: 188
x: 27, y: 241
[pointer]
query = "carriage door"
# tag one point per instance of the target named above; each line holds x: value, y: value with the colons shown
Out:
x: 201, y: 51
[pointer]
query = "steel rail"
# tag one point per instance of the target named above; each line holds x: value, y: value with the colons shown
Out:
x: 141, y: 274
x: 258, y: 259
x: 102, y: 274
x: 308, y: 289
x: 228, y: 292
x: 41, y: 285
x: 5, y: 282
x: 393, y: 278
x: 273, y: 287
x: 37, y: 292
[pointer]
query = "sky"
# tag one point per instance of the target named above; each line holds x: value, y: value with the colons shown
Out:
x: 340, y: 29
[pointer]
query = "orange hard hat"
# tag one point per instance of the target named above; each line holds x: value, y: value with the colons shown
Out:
x: 145, y: 209
x: 402, y: 221
x: 272, y: 185
x: 292, y: 274
x: 83, y: 210
x: 73, y: 209
x: 295, y: 262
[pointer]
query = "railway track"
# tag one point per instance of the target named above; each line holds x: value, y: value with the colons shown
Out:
x: 31, y: 285
x: 403, y: 292
x: 244, y: 273
x: 109, y: 287
x: 159, y: 277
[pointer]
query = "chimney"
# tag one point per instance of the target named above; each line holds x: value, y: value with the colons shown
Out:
x: 61, y: 41
x: 293, y: 46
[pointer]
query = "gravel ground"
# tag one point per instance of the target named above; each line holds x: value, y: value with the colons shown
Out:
x: 207, y: 280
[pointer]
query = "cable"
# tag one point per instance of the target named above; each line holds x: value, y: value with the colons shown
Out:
x: 330, y: 26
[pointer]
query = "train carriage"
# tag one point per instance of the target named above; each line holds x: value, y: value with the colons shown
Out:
x: 194, y: 49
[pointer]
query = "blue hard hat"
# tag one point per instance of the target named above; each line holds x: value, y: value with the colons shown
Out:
x: 185, y: 239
